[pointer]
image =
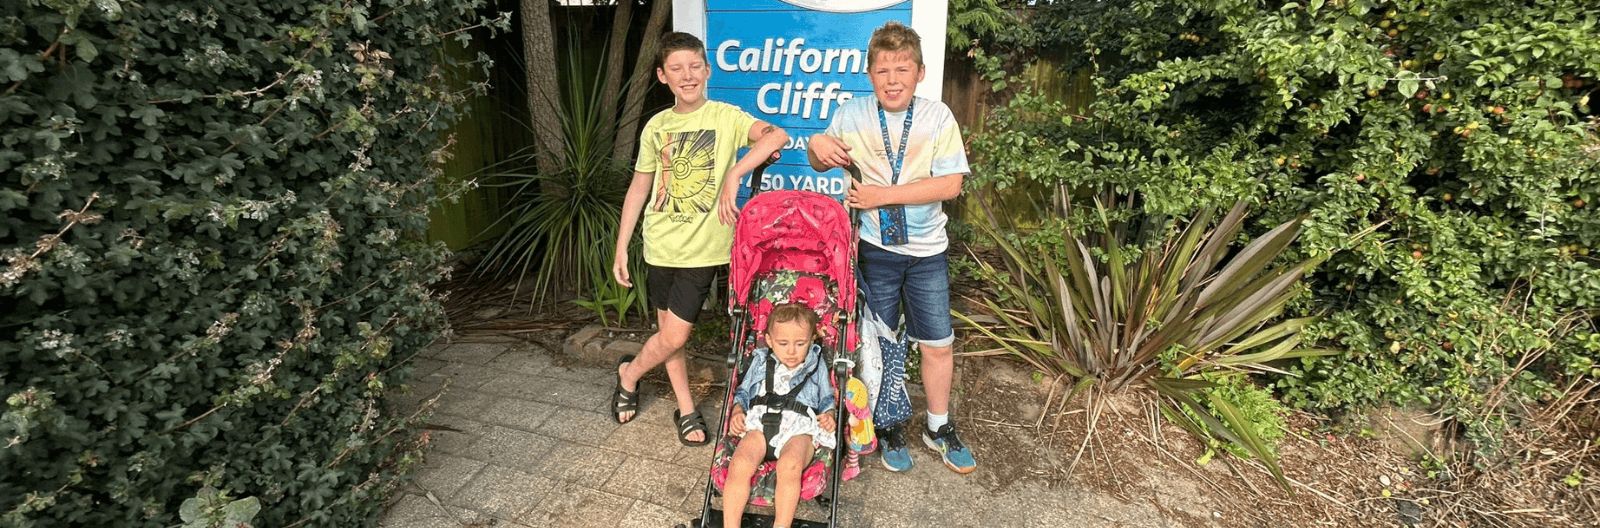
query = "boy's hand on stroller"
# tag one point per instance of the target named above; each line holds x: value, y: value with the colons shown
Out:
x: 865, y: 196
x: 829, y: 150
x: 826, y: 422
x: 736, y: 422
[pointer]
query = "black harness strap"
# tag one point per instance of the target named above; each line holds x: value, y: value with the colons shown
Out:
x: 772, y: 416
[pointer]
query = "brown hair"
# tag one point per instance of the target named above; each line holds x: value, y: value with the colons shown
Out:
x: 894, y: 37
x: 792, y: 312
x: 679, y: 41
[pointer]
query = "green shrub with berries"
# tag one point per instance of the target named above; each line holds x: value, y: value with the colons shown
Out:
x: 212, y: 255
x: 1445, y: 152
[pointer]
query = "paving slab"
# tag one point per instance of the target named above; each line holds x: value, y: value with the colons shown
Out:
x: 473, y: 353
x: 654, y: 481
x: 647, y: 515
x: 462, y: 375
x: 580, y: 426
x: 416, y: 511
x: 521, y: 361
x: 572, y: 505
x: 567, y: 393
x: 454, y: 434
x: 519, y: 414
x: 570, y: 462
x: 511, y: 448
x: 650, y: 441
x: 444, y: 474
x: 522, y: 437
x: 464, y: 402
x: 514, y: 385
x: 582, y: 373
x: 503, y: 493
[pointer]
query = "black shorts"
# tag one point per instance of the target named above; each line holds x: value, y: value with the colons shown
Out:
x: 680, y: 290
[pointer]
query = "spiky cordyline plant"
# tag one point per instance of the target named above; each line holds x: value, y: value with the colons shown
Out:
x: 563, y: 225
x: 1157, y: 292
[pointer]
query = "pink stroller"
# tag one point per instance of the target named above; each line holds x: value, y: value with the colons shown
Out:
x: 789, y: 246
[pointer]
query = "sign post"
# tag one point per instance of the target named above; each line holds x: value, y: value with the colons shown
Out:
x: 793, y: 62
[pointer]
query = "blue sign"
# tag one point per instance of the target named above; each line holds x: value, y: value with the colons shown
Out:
x: 793, y: 62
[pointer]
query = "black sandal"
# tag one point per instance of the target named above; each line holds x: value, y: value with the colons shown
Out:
x: 689, y: 424
x: 624, y: 401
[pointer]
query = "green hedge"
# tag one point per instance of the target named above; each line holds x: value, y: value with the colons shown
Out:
x: 1446, y: 152
x: 212, y: 226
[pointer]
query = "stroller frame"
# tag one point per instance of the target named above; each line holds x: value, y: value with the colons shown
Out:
x: 710, y: 517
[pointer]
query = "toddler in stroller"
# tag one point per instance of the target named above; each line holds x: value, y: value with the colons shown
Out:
x: 788, y: 397
x: 790, y: 248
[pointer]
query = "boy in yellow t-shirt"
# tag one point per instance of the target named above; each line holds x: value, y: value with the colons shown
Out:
x: 684, y: 184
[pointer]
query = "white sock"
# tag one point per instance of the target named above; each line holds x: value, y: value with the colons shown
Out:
x: 935, y: 421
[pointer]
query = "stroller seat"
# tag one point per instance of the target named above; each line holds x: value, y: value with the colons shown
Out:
x: 772, y: 289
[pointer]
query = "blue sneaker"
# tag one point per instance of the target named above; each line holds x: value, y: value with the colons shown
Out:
x: 950, y: 447
x: 896, y: 457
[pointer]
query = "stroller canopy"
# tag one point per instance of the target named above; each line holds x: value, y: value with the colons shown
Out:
x: 800, y: 231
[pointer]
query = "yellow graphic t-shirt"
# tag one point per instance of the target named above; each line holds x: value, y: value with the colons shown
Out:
x: 689, y: 155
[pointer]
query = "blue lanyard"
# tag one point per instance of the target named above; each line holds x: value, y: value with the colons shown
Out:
x: 895, y: 157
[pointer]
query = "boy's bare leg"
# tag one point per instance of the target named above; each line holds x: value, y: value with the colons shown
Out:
x: 792, y: 462
x: 664, y: 348
x: 736, y: 490
x: 938, y: 368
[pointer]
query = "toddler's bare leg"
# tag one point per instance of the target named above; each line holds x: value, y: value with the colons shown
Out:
x: 736, y: 490
x: 792, y: 462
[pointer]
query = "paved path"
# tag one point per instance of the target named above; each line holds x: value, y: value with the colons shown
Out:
x: 529, y: 444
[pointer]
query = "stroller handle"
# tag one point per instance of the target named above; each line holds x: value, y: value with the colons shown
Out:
x: 757, y: 175
x: 854, y: 171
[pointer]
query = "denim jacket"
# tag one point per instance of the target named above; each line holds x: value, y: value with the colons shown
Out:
x: 814, y: 392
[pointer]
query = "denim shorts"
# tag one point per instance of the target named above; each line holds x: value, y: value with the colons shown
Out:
x: 921, y: 283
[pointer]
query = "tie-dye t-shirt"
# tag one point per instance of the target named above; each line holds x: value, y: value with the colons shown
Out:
x: 934, y: 150
x: 689, y: 155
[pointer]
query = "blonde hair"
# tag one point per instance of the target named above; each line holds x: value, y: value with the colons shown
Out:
x: 894, y: 37
x: 793, y: 312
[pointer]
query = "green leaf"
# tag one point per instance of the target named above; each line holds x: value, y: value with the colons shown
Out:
x: 241, y: 511
x: 189, y: 511
x: 1408, y: 87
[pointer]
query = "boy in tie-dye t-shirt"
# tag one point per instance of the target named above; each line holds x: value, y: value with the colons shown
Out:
x: 933, y: 150
x: 911, y: 157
